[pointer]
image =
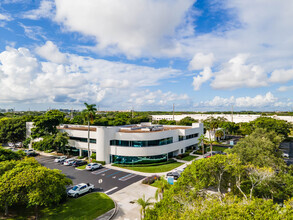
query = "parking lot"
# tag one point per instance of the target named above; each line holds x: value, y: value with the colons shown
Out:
x: 104, y: 179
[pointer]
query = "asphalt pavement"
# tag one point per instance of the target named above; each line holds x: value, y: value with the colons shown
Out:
x: 105, y: 179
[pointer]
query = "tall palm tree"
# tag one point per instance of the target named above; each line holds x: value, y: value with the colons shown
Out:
x: 144, y: 203
x: 219, y: 134
x: 163, y: 185
x: 202, y: 139
x: 89, y: 114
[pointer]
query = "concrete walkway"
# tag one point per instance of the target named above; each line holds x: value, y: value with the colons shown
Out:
x: 125, y: 199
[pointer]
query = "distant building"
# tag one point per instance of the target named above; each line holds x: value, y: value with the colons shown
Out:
x: 235, y: 118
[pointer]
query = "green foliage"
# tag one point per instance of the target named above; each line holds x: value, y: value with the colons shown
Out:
x: 56, y: 142
x: 97, y: 161
x: 187, y: 121
x: 26, y: 142
x: 281, y: 127
x: 261, y: 148
x: 12, y: 130
x: 94, y: 156
x: 6, y: 154
x: 31, y: 184
x: 47, y: 123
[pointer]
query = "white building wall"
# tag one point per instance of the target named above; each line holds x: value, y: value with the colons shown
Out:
x: 237, y: 118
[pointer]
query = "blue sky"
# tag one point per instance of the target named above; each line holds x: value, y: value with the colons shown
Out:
x: 146, y: 54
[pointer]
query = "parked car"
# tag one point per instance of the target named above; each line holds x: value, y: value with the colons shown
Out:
x: 78, y: 163
x: 60, y: 159
x: 93, y: 166
x: 68, y: 162
x: 80, y: 189
x: 285, y: 155
x: 207, y: 155
x: 30, y: 152
x: 176, y: 175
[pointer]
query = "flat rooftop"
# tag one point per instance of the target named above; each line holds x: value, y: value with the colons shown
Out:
x: 76, y: 127
x: 148, y: 131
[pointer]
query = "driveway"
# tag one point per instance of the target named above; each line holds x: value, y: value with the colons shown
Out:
x: 107, y: 180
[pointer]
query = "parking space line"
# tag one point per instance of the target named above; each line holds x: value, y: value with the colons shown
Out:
x: 114, y: 173
x: 125, y: 176
x: 129, y: 177
x: 111, y: 190
x: 100, y: 171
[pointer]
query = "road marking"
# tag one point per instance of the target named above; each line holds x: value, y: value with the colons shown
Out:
x: 111, y: 190
x: 127, y: 177
x: 100, y: 171
x: 114, y: 173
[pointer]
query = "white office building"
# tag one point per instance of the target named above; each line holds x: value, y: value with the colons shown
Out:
x: 134, y: 143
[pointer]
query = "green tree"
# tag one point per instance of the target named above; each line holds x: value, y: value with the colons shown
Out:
x: 89, y: 113
x: 270, y: 124
x: 187, y: 121
x: 31, y: 184
x: 202, y: 139
x: 261, y: 148
x: 6, y: 154
x: 47, y: 124
x: 219, y: 134
x: 144, y: 204
x: 162, y: 185
x: 12, y: 130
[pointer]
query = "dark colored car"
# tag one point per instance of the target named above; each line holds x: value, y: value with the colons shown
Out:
x: 78, y: 163
x: 176, y: 175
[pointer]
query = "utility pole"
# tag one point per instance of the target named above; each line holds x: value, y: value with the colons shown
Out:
x: 173, y: 111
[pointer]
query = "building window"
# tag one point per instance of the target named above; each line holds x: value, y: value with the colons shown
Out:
x: 142, y: 143
x: 93, y: 141
x: 191, y: 136
x: 181, y: 138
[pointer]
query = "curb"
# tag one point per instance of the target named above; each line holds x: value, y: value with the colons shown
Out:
x: 114, y: 212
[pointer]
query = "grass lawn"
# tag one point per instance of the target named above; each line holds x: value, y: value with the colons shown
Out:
x: 86, y: 207
x: 81, y: 167
x: 216, y: 148
x: 154, y: 169
x: 189, y: 158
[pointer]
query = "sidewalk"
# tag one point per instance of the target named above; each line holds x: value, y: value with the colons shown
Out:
x: 125, y: 199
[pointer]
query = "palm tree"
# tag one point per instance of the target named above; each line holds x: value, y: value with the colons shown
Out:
x: 144, y: 203
x: 219, y: 134
x: 202, y: 139
x: 89, y: 114
x: 163, y: 185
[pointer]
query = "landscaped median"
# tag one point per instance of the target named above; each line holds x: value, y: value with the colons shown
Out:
x: 85, y: 207
x: 152, y: 168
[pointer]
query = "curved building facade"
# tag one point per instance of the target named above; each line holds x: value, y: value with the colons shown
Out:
x: 134, y: 143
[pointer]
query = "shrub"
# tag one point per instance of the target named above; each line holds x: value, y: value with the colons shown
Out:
x: 80, y: 157
x: 93, y: 156
x: 101, y: 162
x: 150, y: 179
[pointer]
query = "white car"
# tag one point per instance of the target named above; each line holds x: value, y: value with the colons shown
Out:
x: 60, y: 159
x: 93, y: 166
x: 285, y: 155
x: 80, y: 189
x: 68, y: 162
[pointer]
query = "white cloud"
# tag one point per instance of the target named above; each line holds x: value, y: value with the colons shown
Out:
x: 281, y: 76
x: 237, y: 74
x: 203, y: 76
x: 201, y: 61
x: 46, y: 10
x: 285, y: 88
x: 130, y: 27
x: 23, y: 78
x: 51, y: 52
x: 33, y: 32
x: 4, y: 17
x: 242, y: 102
x: 155, y: 98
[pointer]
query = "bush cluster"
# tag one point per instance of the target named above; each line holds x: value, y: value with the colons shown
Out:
x: 150, y: 179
